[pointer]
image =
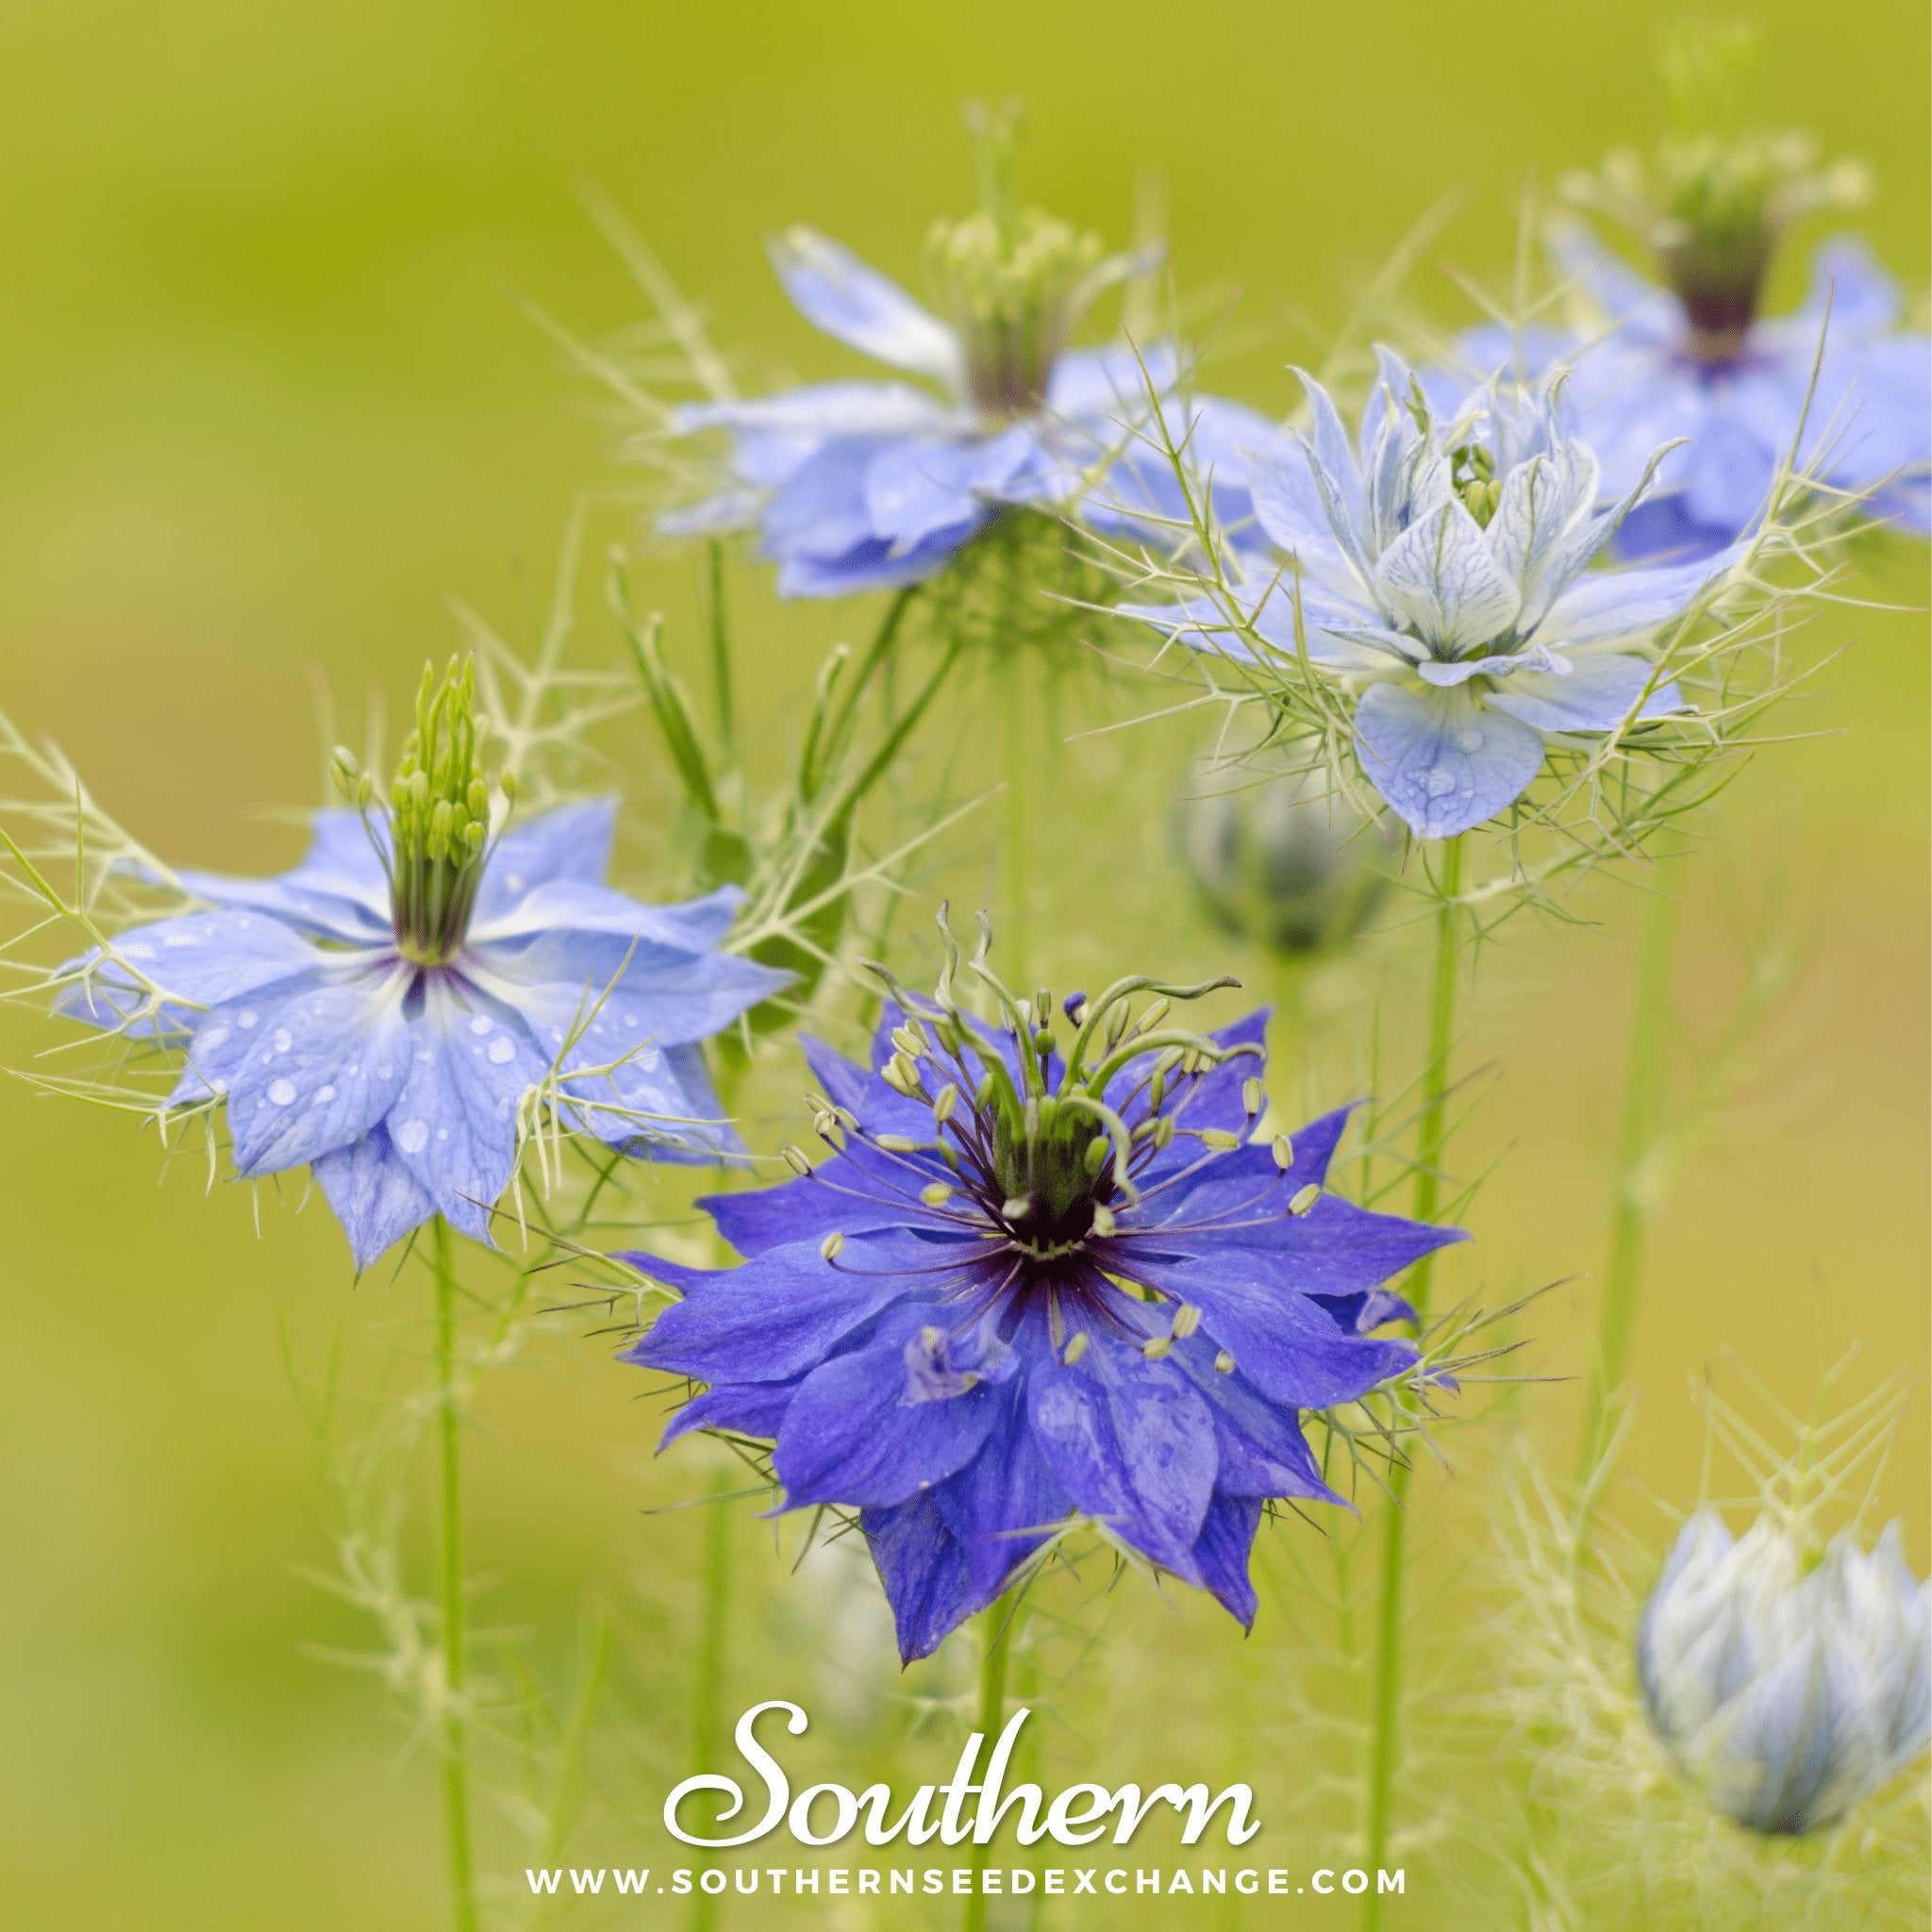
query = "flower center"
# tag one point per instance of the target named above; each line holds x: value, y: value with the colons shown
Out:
x: 1044, y: 1142
x: 438, y: 816
x: 1721, y: 189
x: 1473, y: 477
x: 1013, y: 281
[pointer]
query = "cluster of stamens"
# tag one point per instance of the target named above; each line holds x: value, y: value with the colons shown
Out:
x: 1720, y: 189
x: 1046, y: 1165
x: 1013, y: 281
x: 438, y: 815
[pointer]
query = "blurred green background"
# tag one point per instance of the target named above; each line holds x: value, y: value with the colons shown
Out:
x: 268, y: 397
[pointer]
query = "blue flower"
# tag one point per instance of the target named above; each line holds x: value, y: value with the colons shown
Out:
x: 1037, y: 1281
x: 385, y: 1020
x: 1836, y: 388
x: 1787, y: 1684
x: 867, y: 485
x: 1442, y: 571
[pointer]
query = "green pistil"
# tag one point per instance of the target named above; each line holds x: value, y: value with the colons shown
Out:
x: 438, y: 815
x: 1012, y: 281
x: 1052, y: 1165
x: 1473, y: 477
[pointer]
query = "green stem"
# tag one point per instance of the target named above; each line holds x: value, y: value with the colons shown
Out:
x: 1001, y: 1627
x: 1018, y: 830
x: 1637, y: 1138
x: 708, y: 1688
x: 721, y: 654
x: 455, y: 1745
x: 1431, y: 1135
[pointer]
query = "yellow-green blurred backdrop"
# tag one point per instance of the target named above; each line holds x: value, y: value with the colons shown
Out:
x: 267, y: 396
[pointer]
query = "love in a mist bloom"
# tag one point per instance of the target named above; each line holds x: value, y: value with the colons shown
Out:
x: 1041, y: 1277
x: 1440, y: 571
x: 865, y: 485
x: 1787, y: 1683
x: 382, y: 1013
x: 1836, y: 388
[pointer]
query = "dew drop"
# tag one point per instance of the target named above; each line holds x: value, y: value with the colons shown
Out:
x: 210, y: 1038
x: 1439, y: 782
x: 501, y: 1050
x: 284, y: 1039
x: 413, y: 1136
x: 247, y: 1019
x: 180, y: 938
x: 282, y: 1092
x: 443, y: 1133
x: 481, y: 1023
x: 384, y: 1072
x: 1469, y: 738
x: 324, y: 1095
x: 139, y: 950
x: 424, y: 1057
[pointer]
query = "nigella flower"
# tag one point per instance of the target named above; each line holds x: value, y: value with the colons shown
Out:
x: 1835, y: 387
x: 861, y: 485
x: 1036, y: 1279
x: 1442, y: 571
x: 1787, y: 1684
x: 382, y: 1013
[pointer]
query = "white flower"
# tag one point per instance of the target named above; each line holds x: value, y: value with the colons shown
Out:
x: 1788, y: 1689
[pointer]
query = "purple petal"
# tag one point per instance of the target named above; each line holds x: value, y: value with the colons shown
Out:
x: 375, y: 1197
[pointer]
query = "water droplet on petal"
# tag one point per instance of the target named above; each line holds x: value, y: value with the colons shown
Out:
x: 210, y: 1038
x: 282, y: 1092
x: 443, y: 1133
x: 1469, y: 738
x: 247, y: 1019
x: 413, y: 1136
x: 1439, y: 782
x: 481, y: 1023
x: 324, y: 1095
x: 284, y: 1039
x: 424, y: 1057
x: 501, y: 1050
x: 139, y: 950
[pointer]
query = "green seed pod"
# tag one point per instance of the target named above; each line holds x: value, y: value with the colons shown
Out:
x: 1285, y: 861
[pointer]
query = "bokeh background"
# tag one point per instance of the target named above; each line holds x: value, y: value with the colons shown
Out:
x: 269, y: 397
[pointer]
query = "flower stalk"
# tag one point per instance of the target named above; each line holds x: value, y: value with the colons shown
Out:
x: 1000, y: 1632
x: 1637, y: 1144
x: 1431, y: 1137
x: 455, y: 1753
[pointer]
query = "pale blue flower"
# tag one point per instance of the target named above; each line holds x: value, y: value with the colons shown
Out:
x: 385, y: 1021
x: 1440, y: 570
x: 1788, y: 1689
x: 867, y: 485
x: 1835, y: 388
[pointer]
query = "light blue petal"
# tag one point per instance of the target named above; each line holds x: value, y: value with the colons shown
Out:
x: 1289, y: 505
x: 1543, y: 501
x: 339, y: 889
x: 571, y: 842
x: 1847, y: 279
x: 1642, y: 312
x: 1440, y: 579
x: 227, y: 1035
x: 201, y: 959
x: 836, y: 291
x: 566, y: 904
x: 324, y: 1068
x: 917, y: 490
x: 1631, y: 605
x: 1117, y: 384
x: 818, y: 411
x: 1444, y: 677
x: 820, y: 511
x: 375, y: 1197
x: 1595, y: 695
x: 454, y: 1123
x: 1445, y: 763
x: 871, y: 565
x: 725, y: 511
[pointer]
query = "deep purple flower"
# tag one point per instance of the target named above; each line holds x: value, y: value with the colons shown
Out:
x: 1037, y: 1282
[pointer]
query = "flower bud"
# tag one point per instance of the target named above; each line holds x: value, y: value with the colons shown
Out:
x: 1286, y: 860
x: 1786, y: 1685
